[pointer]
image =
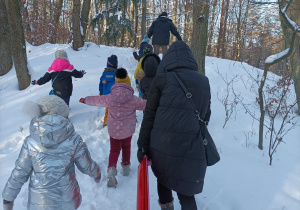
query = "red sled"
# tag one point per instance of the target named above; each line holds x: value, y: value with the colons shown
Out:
x: 143, y: 202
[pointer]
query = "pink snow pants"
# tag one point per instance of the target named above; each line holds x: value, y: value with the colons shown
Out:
x: 115, y: 147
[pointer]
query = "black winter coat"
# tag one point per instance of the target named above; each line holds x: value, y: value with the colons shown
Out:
x: 160, y: 30
x: 170, y: 128
x: 63, y: 82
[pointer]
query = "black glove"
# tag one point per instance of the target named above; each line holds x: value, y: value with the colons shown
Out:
x: 33, y: 82
x: 83, y: 72
x: 141, y: 153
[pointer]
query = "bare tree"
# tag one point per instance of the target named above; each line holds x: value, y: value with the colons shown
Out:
x: 271, y: 60
x: 144, y: 13
x: 18, y: 46
x: 293, y: 60
x: 200, y: 30
x: 228, y: 98
x: 5, y: 48
x: 221, y: 29
x: 76, y: 26
x: 85, y: 15
x: 211, y: 28
x: 57, y: 11
x: 277, y: 106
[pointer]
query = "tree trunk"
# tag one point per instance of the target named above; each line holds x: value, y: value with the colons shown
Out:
x: 175, y: 16
x: 136, y: 12
x: 144, y: 13
x: 5, y: 48
x: 57, y: 12
x: 221, y: 30
x: 294, y: 59
x: 77, y: 36
x: 199, y: 35
x: 211, y: 29
x: 85, y: 16
x: 123, y: 29
x: 18, y: 43
x: 238, y: 34
x: 187, y: 23
x: 224, y: 32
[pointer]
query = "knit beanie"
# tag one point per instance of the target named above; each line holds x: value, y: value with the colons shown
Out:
x: 146, y: 39
x: 61, y: 54
x: 50, y: 104
x: 163, y: 14
x: 112, y: 61
x: 122, y: 76
x: 150, y: 64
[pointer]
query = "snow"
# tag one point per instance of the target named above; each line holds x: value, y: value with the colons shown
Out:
x: 242, y: 180
x: 277, y: 56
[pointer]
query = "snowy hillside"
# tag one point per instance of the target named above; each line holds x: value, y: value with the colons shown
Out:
x: 242, y: 180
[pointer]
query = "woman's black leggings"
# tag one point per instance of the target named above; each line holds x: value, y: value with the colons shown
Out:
x: 165, y: 196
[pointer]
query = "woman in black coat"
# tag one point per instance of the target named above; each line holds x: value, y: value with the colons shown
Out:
x: 169, y: 131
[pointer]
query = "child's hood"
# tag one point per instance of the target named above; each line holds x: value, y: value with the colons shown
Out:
x: 122, y: 93
x: 50, y: 130
x: 60, y: 65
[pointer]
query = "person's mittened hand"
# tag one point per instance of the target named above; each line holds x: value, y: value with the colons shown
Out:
x: 83, y: 72
x: 34, y: 82
x: 97, y: 180
x: 141, y: 153
x: 82, y: 100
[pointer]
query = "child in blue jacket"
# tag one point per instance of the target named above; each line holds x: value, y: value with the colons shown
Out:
x: 107, y: 80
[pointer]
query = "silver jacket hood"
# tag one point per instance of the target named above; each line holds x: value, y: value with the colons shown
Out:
x: 48, y: 157
x: 51, y: 130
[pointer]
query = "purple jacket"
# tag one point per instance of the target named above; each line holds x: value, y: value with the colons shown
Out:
x: 122, y: 106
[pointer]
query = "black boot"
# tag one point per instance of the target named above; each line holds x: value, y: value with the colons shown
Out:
x: 167, y: 206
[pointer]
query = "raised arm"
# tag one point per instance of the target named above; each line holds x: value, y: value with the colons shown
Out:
x: 77, y: 74
x: 44, y: 79
x: 102, y: 100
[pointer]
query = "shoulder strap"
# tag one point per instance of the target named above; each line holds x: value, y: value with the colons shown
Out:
x: 55, y: 78
x: 189, y: 96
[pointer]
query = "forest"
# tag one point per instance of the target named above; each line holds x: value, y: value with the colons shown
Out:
x: 240, y: 30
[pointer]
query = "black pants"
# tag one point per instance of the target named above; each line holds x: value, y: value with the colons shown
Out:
x: 165, y: 196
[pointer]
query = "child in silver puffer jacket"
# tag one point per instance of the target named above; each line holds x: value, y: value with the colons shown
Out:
x: 48, y: 157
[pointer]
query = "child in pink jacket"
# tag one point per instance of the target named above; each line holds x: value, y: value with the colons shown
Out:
x: 121, y: 122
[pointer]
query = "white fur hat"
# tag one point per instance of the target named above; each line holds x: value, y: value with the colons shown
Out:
x: 61, y: 54
x: 47, y: 105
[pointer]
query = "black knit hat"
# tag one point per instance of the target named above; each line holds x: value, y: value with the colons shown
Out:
x: 150, y: 64
x: 112, y: 61
x: 122, y: 76
x: 163, y: 14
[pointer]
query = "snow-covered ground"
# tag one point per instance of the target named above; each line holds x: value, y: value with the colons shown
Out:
x: 242, y: 180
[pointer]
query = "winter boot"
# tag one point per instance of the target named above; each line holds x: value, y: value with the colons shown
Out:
x: 126, y: 169
x: 167, y: 206
x: 111, y: 177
